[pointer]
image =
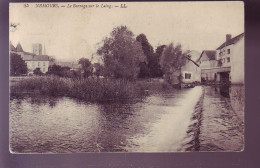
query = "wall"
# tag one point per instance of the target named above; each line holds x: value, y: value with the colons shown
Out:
x: 43, y: 65
x: 237, y: 62
x: 191, y: 68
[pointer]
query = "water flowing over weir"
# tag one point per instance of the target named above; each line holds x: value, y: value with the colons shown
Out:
x: 169, y: 133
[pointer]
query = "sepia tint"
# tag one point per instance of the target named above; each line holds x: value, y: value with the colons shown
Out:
x: 126, y: 77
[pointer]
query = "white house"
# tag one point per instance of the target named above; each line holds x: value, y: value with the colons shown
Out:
x: 191, y: 72
x: 226, y: 63
x: 231, y: 56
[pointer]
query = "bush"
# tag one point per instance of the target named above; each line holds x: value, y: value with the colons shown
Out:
x: 89, y: 89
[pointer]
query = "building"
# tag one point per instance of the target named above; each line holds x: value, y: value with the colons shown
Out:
x: 72, y: 65
x: 190, y: 71
x: 230, y: 57
x: 226, y: 63
x: 32, y: 60
x: 207, y: 63
x: 37, y: 48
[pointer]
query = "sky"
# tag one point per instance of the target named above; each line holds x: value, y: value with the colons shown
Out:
x: 70, y: 33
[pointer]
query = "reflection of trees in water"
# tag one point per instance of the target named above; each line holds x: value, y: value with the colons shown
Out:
x: 224, y: 90
x: 36, y: 99
x: 235, y: 95
x: 116, y: 126
x: 41, y: 100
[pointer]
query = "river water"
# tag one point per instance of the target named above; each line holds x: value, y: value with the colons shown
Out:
x: 203, y: 118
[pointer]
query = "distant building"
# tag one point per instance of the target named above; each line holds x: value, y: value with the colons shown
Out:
x: 226, y: 63
x: 32, y: 60
x: 37, y: 48
x: 72, y: 65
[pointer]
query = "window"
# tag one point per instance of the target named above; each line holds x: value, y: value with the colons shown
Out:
x: 43, y: 69
x: 43, y: 63
x: 228, y: 59
x: 187, y: 75
x: 228, y: 51
x: 38, y: 63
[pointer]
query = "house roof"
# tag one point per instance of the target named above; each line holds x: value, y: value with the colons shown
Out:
x: 19, y: 48
x: 12, y: 48
x: 231, y: 41
x: 33, y: 57
x: 211, y: 54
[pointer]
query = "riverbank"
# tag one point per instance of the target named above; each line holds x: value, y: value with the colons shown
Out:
x: 89, y: 89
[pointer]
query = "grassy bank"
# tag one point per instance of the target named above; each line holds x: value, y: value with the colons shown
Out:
x: 94, y: 90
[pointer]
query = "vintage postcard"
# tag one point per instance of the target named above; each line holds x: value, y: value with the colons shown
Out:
x: 126, y: 77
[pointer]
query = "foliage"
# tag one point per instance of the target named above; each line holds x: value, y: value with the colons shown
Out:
x: 121, y: 54
x: 147, y: 48
x: 144, y: 70
x: 17, y: 65
x: 98, y: 69
x: 159, y: 50
x: 86, y: 67
x: 59, y: 71
x: 88, y: 89
x: 37, y: 71
x: 154, y: 69
x: 172, y: 60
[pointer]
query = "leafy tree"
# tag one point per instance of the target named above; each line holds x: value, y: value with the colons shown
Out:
x: 157, y: 70
x: 37, y: 71
x: 153, y: 66
x: 54, y: 70
x: 144, y: 70
x: 59, y: 71
x: 17, y: 65
x: 98, y: 69
x: 121, y: 54
x: 172, y: 60
x: 147, y: 48
x: 159, y: 50
x: 86, y: 67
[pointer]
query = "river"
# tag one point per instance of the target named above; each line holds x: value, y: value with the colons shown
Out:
x: 202, y: 118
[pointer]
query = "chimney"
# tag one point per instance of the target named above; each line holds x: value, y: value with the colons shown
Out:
x: 228, y: 37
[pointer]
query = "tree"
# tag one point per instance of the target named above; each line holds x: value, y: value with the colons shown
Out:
x: 159, y: 50
x: 17, y: 65
x: 59, y: 71
x: 54, y: 70
x: 37, y: 71
x: 98, y: 69
x: 121, y: 54
x: 157, y: 70
x: 86, y: 67
x: 171, y: 61
x: 146, y: 67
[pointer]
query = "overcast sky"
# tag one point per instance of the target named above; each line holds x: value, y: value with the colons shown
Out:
x: 72, y: 33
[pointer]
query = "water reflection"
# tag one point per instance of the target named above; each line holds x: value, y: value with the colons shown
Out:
x: 222, y: 118
x: 162, y: 122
